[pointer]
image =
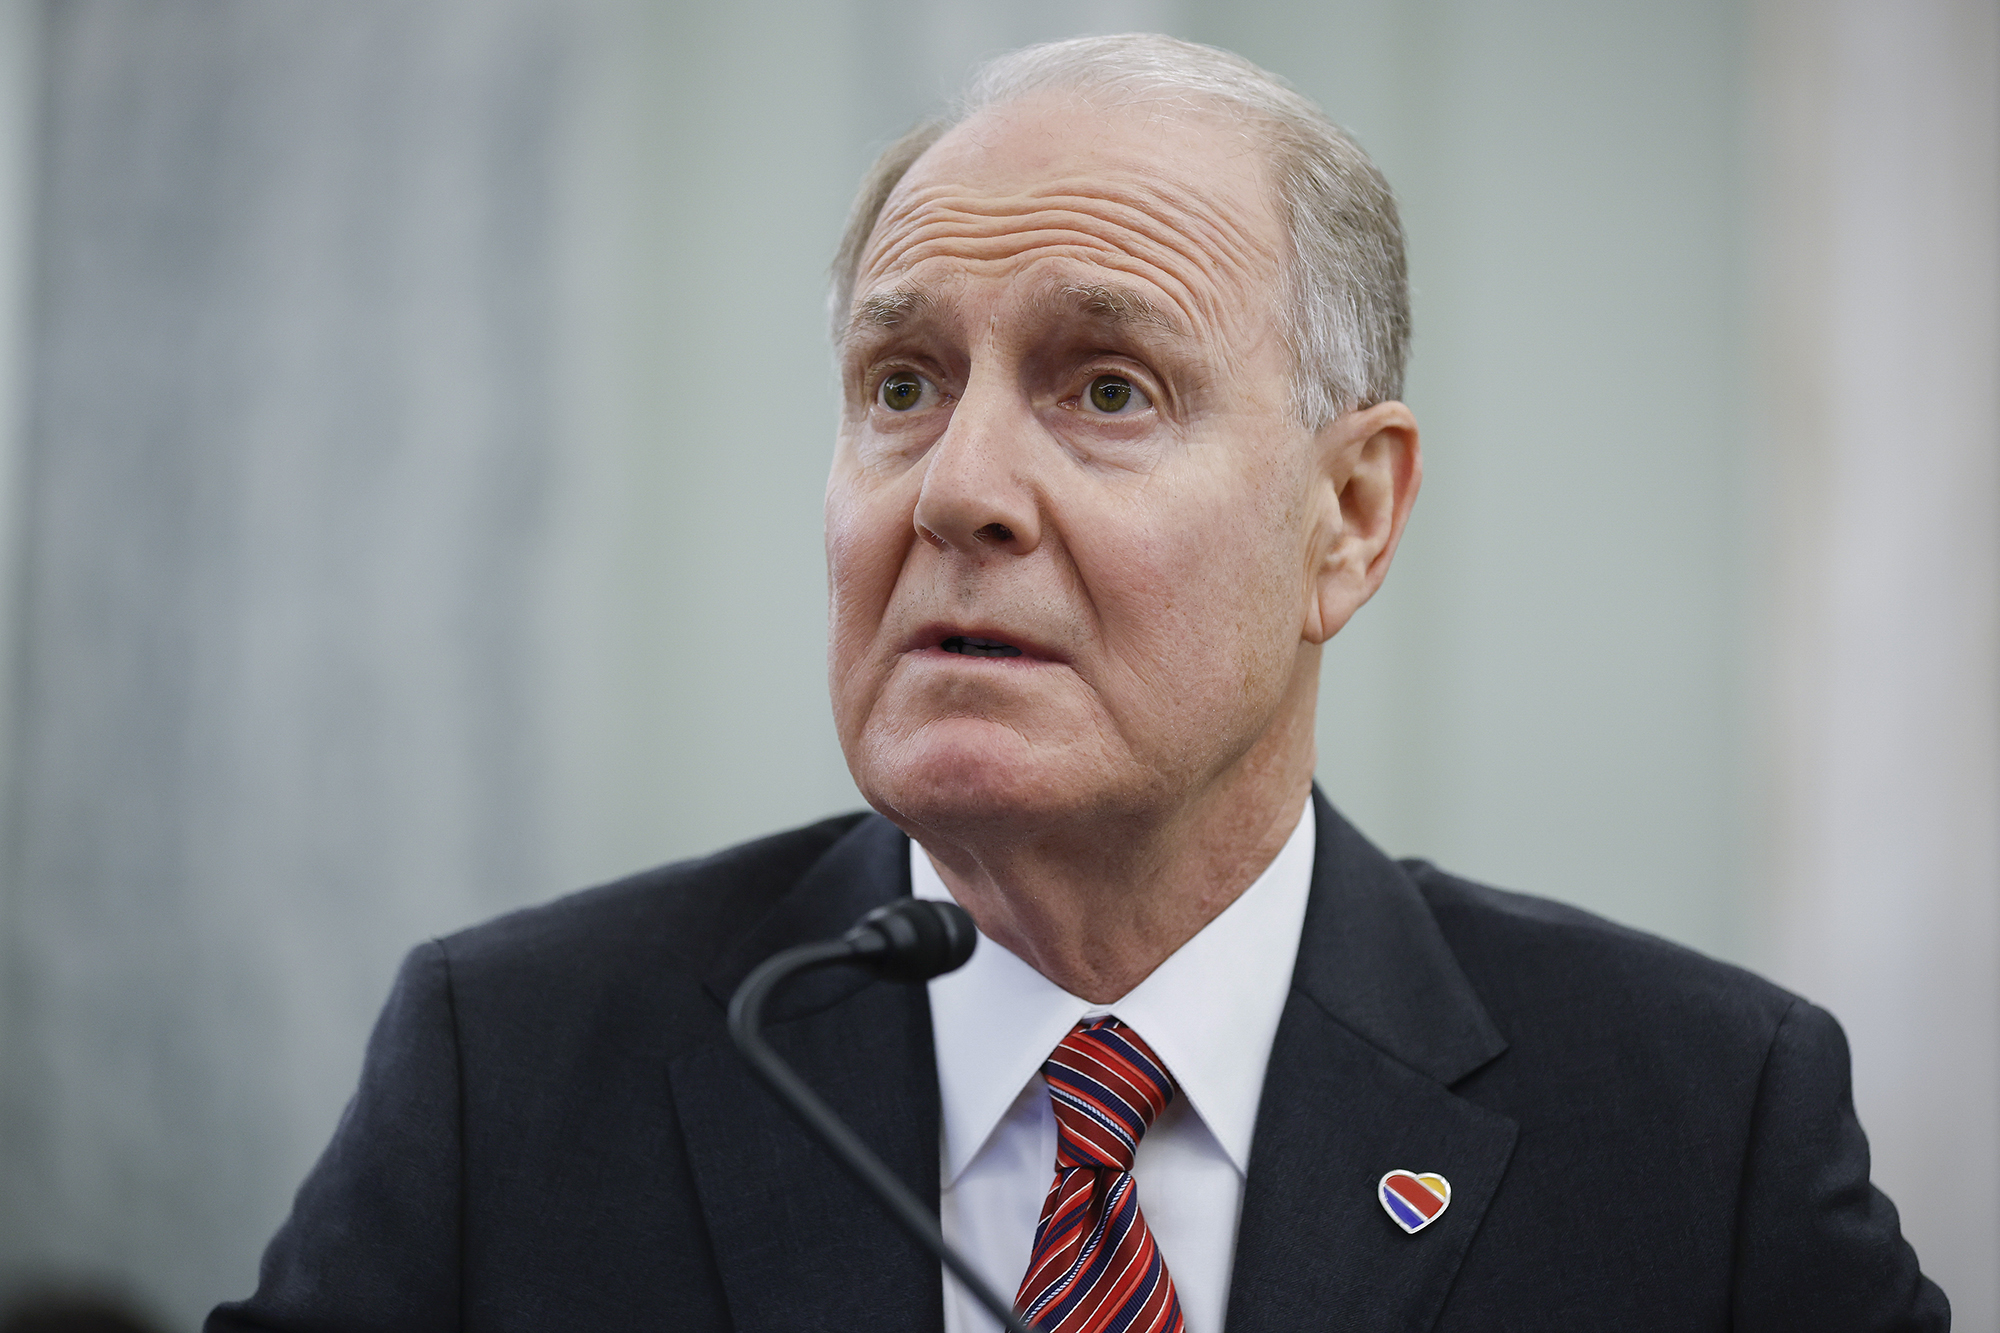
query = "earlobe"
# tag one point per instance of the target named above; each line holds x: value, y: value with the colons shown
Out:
x: 1372, y: 466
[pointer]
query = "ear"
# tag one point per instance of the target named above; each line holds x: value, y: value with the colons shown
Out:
x: 1370, y: 467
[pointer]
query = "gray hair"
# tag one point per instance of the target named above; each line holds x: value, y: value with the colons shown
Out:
x: 1349, y: 294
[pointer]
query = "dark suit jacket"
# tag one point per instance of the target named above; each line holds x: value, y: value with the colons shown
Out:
x: 552, y: 1130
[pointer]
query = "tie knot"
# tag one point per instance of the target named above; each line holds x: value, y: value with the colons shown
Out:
x: 1107, y: 1086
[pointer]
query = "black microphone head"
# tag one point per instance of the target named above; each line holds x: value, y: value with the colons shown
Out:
x: 914, y: 939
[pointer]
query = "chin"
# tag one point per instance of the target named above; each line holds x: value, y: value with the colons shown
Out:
x: 964, y: 774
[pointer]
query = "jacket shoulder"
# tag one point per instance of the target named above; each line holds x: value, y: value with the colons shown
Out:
x: 1535, y: 961
x: 677, y: 917
x: 1714, y: 1106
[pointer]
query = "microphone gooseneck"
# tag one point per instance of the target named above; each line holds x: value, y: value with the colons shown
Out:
x: 909, y: 940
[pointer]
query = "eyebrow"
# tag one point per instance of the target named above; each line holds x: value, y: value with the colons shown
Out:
x: 1123, y: 306
x: 885, y: 310
x: 1108, y: 303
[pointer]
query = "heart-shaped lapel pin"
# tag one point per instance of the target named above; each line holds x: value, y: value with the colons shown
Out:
x: 1414, y: 1201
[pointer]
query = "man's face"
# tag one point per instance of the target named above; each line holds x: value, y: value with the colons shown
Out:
x: 1070, y: 524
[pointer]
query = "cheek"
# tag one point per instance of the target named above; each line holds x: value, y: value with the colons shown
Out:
x: 1200, y: 600
x: 868, y: 530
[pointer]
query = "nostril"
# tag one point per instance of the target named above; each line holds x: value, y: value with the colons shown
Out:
x: 995, y: 532
x: 933, y: 538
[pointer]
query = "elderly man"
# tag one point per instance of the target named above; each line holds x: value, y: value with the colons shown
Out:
x: 1121, y: 449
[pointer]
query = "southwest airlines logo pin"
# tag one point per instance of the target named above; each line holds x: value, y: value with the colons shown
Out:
x: 1414, y: 1201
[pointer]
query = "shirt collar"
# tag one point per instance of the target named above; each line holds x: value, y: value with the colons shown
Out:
x: 1210, y: 1011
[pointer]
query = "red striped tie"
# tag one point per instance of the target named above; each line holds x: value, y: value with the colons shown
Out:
x: 1096, y: 1268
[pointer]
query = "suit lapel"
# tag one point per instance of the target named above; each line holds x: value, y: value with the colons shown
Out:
x: 1379, y: 1024
x: 799, y: 1246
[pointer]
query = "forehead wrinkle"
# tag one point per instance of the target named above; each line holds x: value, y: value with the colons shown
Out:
x: 1190, y: 283
x: 1166, y: 218
x: 1192, y: 243
x: 1145, y: 211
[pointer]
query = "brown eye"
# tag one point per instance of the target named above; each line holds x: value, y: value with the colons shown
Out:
x: 1112, y: 394
x: 902, y: 391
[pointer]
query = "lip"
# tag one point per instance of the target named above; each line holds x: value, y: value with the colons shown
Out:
x: 929, y: 641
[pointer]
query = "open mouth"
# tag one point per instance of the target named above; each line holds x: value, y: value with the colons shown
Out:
x: 968, y: 646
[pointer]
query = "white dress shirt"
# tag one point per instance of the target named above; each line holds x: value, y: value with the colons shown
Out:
x: 1209, y: 1012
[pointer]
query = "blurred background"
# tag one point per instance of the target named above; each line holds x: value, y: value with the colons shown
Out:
x: 413, y: 420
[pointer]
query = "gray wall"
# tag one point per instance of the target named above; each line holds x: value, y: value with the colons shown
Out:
x: 1546, y: 693
x: 279, y: 541
x: 428, y: 409
x: 1878, y: 207
x: 284, y: 519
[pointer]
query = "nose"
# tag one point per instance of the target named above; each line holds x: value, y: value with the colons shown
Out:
x: 977, y: 497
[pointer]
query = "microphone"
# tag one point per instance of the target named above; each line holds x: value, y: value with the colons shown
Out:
x: 914, y: 939
x: 911, y: 939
